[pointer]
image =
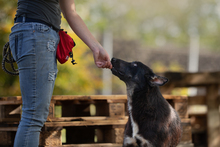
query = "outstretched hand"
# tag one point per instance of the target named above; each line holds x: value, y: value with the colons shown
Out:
x: 102, y: 59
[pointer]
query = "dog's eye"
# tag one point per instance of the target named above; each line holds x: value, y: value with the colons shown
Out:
x: 134, y: 64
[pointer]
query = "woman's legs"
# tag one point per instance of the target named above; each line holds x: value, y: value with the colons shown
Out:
x: 34, y: 47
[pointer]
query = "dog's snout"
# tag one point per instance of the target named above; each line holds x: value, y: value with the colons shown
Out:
x: 113, y: 60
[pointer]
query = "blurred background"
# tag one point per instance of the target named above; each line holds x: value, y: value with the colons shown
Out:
x: 166, y: 35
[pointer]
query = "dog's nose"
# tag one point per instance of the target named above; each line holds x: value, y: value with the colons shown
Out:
x: 113, y: 60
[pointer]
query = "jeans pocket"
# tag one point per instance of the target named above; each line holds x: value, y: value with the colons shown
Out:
x: 42, y: 28
x: 16, y: 44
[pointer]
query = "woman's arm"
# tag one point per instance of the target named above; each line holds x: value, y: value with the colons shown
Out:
x: 100, y: 55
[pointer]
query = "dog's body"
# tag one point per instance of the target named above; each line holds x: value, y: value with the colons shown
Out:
x: 152, y: 121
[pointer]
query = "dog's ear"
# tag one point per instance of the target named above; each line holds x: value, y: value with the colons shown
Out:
x: 157, y: 80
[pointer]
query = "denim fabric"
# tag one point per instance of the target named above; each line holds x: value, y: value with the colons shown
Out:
x: 33, y: 47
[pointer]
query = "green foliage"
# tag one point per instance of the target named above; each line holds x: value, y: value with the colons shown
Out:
x: 149, y: 21
x: 9, y: 85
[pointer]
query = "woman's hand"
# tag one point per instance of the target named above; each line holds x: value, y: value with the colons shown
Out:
x: 101, y: 58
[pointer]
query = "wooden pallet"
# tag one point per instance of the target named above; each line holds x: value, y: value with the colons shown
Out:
x: 111, y: 145
x: 208, y: 133
x: 107, y: 124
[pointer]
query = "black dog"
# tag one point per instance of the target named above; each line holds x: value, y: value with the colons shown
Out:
x: 152, y: 121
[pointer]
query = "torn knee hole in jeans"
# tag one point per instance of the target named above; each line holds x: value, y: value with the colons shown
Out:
x: 51, y: 76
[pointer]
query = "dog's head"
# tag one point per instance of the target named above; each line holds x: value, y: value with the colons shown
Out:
x: 136, y: 73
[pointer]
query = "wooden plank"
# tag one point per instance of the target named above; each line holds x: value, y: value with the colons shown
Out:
x: 116, y: 135
x: 117, y: 101
x: 10, y: 100
x: 111, y: 145
x: 95, y: 122
x: 116, y: 109
x: 180, y: 105
x: 16, y: 111
x: 91, y: 121
x: 89, y: 118
x: 213, y: 118
x: 93, y: 145
x: 186, y: 134
x: 179, y: 79
x: 10, y: 120
x: 51, y: 110
x: 175, y: 97
x: 50, y: 138
x: 88, y: 97
x: 111, y: 98
x: 6, y: 129
x: 104, y: 97
x: 185, y: 145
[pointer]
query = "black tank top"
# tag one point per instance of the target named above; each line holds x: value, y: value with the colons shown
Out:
x: 44, y: 10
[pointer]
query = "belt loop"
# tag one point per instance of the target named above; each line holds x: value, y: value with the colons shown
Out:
x: 23, y: 18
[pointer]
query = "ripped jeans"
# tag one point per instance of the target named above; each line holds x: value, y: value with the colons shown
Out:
x: 33, y: 47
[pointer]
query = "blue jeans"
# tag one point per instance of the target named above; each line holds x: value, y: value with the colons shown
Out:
x: 33, y: 47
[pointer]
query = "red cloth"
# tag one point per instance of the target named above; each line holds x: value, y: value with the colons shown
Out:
x: 64, y: 48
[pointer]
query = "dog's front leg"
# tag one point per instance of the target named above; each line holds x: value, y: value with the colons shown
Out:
x: 129, y: 141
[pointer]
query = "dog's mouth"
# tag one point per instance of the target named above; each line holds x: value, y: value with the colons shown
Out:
x: 117, y: 72
x: 114, y: 69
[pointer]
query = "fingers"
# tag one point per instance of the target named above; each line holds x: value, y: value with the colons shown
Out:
x: 109, y: 65
x: 104, y: 64
x: 102, y: 59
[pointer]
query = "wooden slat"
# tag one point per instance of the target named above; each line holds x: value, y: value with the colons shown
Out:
x: 116, y: 109
x: 185, y: 145
x: 117, y: 101
x: 105, y: 97
x: 9, y: 119
x: 98, y: 118
x: 111, y: 145
x: 16, y: 111
x: 86, y: 121
x: 10, y: 98
x: 14, y: 100
x: 174, y: 97
x: 110, y: 98
x: 50, y: 138
x: 179, y: 79
x: 187, y: 131
x: 2, y: 129
x: 11, y: 102
x: 88, y: 97
x: 89, y: 118
x: 180, y: 105
x: 213, y: 118
x: 93, y: 145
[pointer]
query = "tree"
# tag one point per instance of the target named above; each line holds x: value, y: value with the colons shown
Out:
x: 155, y: 23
